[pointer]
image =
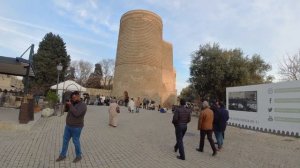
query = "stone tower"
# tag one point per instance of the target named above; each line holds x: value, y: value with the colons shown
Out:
x: 144, y: 61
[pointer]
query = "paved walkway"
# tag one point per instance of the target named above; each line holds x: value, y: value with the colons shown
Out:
x: 143, y: 140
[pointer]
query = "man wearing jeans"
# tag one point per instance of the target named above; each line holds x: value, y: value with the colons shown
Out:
x: 74, y: 125
x: 181, y: 117
x: 220, y: 129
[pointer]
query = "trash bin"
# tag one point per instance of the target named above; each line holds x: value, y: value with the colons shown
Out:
x: 23, y: 114
x: 26, y: 113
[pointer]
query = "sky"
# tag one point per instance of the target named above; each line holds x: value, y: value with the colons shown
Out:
x: 90, y: 28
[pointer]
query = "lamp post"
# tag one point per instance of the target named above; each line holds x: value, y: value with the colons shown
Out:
x: 63, y: 96
x: 59, y: 67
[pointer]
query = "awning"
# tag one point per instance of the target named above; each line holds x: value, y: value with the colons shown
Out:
x: 14, y: 66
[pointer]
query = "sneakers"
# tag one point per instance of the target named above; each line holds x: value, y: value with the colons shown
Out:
x: 77, y: 159
x: 60, y: 158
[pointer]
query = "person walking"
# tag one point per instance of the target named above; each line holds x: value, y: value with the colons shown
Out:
x: 217, y: 124
x: 74, y: 125
x: 113, y: 110
x: 181, y: 117
x: 205, y: 125
x: 224, y: 116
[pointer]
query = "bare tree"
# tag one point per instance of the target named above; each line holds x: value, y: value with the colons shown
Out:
x: 289, y: 68
x: 83, y: 69
x: 108, y: 67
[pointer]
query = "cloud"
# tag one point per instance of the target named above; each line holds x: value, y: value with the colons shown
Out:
x: 25, y: 29
x: 15, y: 39
x: 89, y: 15
x: 169, y: 5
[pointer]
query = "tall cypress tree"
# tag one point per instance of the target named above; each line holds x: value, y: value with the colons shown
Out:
x: 51, y: 52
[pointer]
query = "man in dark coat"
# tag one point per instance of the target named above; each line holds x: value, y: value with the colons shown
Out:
x: 181, y: 117
x: 221, y: 117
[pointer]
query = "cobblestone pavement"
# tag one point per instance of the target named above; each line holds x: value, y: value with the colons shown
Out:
x: 142, y: 140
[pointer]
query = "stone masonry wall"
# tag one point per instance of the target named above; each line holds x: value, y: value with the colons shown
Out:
x: 141, y: 54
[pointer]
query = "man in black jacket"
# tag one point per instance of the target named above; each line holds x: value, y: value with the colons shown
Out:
x: 74, y: 125
x: 181, y: 117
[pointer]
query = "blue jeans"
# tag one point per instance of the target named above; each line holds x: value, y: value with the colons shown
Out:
x: 74, y: 133
x: 219, y: 138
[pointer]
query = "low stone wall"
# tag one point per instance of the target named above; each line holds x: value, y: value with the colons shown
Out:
x: 95, y: 92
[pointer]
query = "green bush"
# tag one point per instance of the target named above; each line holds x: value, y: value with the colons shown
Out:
x: 52, y: 98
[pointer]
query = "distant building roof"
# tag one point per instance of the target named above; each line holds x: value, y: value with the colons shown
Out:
x: 14, y: 66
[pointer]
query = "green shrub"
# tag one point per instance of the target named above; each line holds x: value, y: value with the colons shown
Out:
x: 52, y: 98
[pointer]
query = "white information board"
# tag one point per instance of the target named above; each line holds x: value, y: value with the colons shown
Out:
x: 271, y: 107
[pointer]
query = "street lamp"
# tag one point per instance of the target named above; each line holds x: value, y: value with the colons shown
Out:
x: 59, y: 67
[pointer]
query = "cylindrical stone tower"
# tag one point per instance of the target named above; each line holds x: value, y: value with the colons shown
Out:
x: 138, y: 68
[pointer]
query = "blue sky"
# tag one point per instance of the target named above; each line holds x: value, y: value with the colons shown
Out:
x: 270, y: 28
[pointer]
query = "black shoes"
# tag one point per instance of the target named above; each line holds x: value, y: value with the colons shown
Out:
x: 181, y: 158
x: 199, y: 150
x: 175, y: 149
x: 60, y: 158
x: 77, y: 159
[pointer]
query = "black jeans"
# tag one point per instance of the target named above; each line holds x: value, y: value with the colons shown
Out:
x: 203, y: 133
x: 180, y: 131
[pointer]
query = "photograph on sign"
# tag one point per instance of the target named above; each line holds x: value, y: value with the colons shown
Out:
x: 243, y: 101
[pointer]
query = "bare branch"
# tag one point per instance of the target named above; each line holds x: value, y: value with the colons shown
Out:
x: 289, y: 68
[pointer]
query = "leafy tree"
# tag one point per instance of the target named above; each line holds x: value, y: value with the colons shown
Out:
x: 188, y: 93
x: 94, y: 80
x: 289, y: 68
x: 213, y: 69
x: 51, y: 52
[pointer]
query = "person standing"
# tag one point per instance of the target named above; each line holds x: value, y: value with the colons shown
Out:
x: 131, y: 106
x: 126, y: 98
x: 113, y: 110
x: 137, y: 105
x: 74, y: 125
x: 181, y: 117
x: 205, y: 125
x: 144, y: 103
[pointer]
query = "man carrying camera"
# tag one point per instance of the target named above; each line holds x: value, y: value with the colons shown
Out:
x: 74, y: 125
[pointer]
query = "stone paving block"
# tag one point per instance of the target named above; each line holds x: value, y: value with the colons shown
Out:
x: 143, y: 140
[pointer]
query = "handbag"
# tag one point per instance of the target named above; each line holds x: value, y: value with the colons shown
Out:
x: 118, y: 109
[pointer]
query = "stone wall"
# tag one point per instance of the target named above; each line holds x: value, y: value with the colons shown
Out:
x: 144, y: 62
x: 95, y: 92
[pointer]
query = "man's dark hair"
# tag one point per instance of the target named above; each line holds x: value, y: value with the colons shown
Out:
x: 74, y: 93
x: 221, y: 104
x: 182, y: 102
